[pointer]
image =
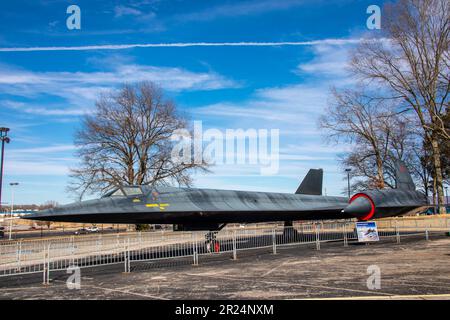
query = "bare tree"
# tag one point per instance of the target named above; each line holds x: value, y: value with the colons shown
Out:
x: 379, y: 137
x: 48, y: 205
x: 409, y: 145
x: 413, y: 65
x: 356, y: 118
x: 398, y: 143
x: 126, y: 141
x: 426, y: 159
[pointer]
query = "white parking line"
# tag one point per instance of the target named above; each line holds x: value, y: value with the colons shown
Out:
x: 291, y: 284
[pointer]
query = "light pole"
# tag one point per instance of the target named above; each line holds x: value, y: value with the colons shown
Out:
x: 4, y: 138
x: 348, y: 170
x: 12, y: 185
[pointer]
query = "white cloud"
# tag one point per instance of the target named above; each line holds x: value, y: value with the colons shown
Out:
x: 53, y: 160
x: 313, y: 148
x: 80, y: 89
x: 329, y: 61
x: 49, y: 149
x: 140, y: 15
x: 169, y: 78
x: 120, y: 11
x: 34, y: 168
x: 293, y: 105
x: 44, y: 111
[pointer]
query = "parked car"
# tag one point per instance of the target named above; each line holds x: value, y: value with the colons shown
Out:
x: 87, y: 230
x: 92, y: 229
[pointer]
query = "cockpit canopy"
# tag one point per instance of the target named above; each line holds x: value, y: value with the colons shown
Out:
x: 125, y: 191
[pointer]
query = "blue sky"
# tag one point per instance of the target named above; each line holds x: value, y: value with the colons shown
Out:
x: 43, y: 94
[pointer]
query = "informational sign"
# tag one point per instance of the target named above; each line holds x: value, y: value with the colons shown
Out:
x: 367, y: 231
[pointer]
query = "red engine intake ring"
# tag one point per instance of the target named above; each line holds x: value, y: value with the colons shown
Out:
x: 372, y: 209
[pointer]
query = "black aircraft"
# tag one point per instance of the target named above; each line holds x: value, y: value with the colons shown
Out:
x: 209, y: 209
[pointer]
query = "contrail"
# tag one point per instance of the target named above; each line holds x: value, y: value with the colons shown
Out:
x: 188, y: 44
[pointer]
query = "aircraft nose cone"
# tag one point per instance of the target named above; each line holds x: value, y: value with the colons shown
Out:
x: 361, y: 207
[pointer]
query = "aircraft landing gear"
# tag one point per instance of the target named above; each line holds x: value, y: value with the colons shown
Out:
x: 290, y: 234
x: 212, y: 245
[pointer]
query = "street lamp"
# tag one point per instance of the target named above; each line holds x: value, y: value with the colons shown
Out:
x: 4, y: 138
x: 12, y: 185
x: 348, y: 181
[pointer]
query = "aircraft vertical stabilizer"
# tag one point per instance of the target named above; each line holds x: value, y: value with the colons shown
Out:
x: 312, y: 183
x: 403, y: 177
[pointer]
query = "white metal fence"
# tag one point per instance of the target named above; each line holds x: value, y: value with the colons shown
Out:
x: 53, y: 254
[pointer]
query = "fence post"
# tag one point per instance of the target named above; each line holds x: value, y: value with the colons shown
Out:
x: 194, y: 250
x: 426, y: 234
x: 129, y: 257
x: 345, y: 236
x: 19, y: 255
x: 234, y: 245
x: 72, y: 250
x: 46, y: 273
x: 44, y: 264
x: 48, y: 263
x: 317, y: 238
x: 126, y: 259
x: 274, y: 241
x: 397, y: 232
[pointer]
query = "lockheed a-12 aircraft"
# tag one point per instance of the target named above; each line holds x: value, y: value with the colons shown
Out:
x: 210, y: 209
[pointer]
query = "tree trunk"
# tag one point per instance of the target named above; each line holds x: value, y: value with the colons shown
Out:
x: 434, y: 195
x: 130, y: 174
x: 425, y: 181
x: 438, y: 174
x: 380, y: 182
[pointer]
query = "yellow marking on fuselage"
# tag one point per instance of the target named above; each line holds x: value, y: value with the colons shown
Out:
x: 151, y: 205
x: 161, y: 206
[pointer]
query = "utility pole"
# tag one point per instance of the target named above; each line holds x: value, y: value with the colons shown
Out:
x: 4, y: 138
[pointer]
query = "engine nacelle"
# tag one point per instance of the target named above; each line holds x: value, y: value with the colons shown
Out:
x: 384, y: 203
